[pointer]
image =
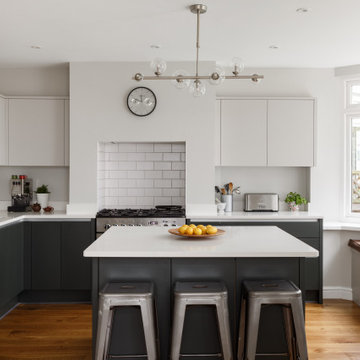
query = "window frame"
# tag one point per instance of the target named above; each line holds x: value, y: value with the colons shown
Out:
x: 351, y: 111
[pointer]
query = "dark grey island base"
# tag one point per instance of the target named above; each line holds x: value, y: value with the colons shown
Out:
x: 200, y: 331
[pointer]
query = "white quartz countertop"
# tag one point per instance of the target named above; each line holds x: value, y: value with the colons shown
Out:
x: 9, y: 218
x: 244, y: 241
x: 255, y: 216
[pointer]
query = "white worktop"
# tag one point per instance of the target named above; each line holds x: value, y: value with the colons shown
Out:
x: 12, y: 217
x: 244, y: 241
x: 258, y: 216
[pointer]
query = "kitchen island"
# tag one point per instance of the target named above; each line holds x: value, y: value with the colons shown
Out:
x: 152, y: 254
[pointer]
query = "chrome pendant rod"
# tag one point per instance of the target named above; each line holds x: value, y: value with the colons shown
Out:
x: 197, y: 41
x: 199, y: 77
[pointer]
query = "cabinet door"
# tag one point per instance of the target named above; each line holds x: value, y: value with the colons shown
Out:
x: 75, y: 269
x: 67, y: 132
x: 36, y: 132
x: 243, y: 132
x: 218, y: 133
x: 4, y: 158
x: 45, y: 255
x: 291, y: 132
x: 11, y: 262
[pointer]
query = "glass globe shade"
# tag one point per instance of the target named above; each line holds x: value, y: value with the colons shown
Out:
x: 158, y: 65
x: 217, y: 77
x: 180, y: 83
x: 197, y: 88
x: 238, y: 64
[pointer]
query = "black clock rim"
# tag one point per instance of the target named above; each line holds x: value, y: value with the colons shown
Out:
x: 141, y: 87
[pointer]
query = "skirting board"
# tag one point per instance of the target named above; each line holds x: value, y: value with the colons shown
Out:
x: 337, y: 292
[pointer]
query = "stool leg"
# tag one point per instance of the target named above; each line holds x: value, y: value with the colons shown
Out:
x: 252, y: 327
x: 289, y: 332
x: 103, y: 330
x: 298, y: 316
x: 148, y: 318
x: 241, y: 341
x: 224, y: 327
x: 178, y: 325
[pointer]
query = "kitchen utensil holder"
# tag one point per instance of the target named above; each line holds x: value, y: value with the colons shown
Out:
x: 228, y: 200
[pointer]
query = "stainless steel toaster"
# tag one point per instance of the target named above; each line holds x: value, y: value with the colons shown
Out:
x: 261, y: 202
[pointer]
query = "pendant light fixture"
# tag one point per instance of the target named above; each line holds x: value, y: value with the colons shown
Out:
x: 181, y: 79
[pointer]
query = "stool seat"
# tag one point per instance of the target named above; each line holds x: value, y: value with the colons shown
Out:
x: 126, y: 288
x: 193, y: 288
x: 278, y: 288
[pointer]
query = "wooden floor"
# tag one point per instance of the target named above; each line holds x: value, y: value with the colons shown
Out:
x: 55, y: 332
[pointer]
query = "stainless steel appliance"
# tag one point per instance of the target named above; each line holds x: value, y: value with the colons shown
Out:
x: 20, y: 192
x: 162, y: 215
x: 261, y: 202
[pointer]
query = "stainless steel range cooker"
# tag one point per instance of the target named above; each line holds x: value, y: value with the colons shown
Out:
x: 163, y: 215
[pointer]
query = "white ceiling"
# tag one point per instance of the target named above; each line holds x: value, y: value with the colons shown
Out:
x: 119, y: 30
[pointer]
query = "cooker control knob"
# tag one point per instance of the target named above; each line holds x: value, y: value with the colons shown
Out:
x: 115, y: 225
x: 107, y: 226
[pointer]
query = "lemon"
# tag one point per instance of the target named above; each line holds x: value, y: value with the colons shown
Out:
x: 198, y: 231
x: 211, y: 230
x: 202, y: 227
x: 189, y: 231
x: 207, y: 226
x: 182, y: 229
x: 192, y: 226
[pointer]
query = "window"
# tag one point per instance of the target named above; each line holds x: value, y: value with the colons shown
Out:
x: 352, y: 113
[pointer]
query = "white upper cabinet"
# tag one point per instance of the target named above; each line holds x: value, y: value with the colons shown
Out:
x: 4, y: 158
x: 243, y: 132
x: 291, y: 132
x: 37, y: 132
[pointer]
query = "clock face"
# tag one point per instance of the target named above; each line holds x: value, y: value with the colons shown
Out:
x: 141, y: 101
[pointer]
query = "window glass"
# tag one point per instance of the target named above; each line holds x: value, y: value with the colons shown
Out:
x: 355, y: 164
x: 355, y: 94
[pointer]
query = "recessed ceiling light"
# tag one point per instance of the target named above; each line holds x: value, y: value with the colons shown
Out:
x: 155, y: 46
x: 302, y: 10
x: 37, y: 47
x: 273, y: 47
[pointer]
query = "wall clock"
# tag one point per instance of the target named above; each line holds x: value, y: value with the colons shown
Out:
x: 141, y: 101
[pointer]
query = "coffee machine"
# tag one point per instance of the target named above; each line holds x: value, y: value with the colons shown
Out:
x: 21, y: 193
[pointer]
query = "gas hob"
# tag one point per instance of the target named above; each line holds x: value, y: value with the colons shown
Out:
x: 164, y: 215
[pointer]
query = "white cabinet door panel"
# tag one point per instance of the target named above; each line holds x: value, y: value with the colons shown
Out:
x: 36, y: 132
x: 218, y: 133
x: 4, y: 159
x: 243, y: 132
x: 291, y: 132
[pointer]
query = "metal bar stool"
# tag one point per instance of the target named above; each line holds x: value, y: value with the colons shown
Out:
x: 280, y: 292
x: 201, y: 293
x: 126, y: 294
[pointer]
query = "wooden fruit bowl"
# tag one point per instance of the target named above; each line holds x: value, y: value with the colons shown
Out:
x: 176, y: 232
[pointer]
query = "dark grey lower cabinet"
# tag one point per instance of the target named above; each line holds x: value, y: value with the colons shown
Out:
x: 45, y: 255
x: 11, y: 265
x: 59, y: 272
x: 75, y: 269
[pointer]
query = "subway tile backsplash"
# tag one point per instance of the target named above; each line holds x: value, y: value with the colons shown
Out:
x: 141, y: 175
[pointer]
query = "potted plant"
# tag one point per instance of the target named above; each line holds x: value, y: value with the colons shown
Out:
x: 42, y: 194
x: 294, y: 200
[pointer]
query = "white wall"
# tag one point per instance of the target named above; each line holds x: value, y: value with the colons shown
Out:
x: 35, y: 81
x: 98, y: 112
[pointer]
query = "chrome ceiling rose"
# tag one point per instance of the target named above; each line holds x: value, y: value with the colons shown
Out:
x: 202, y: 9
